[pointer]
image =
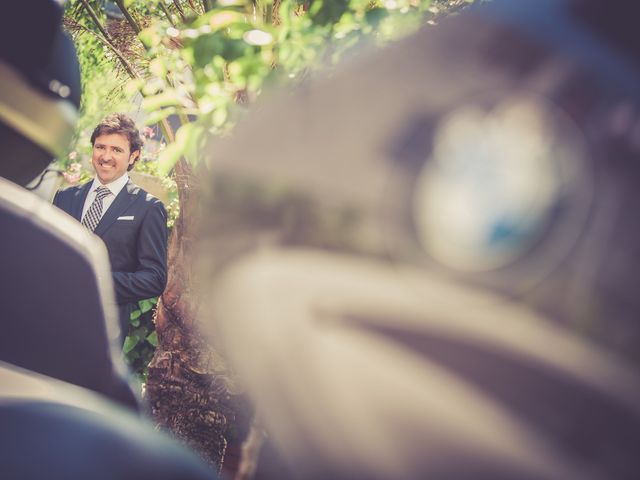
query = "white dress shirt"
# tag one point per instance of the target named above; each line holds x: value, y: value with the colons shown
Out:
x: 114, y: 187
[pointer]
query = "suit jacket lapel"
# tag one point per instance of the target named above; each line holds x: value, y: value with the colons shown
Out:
x: 78, y: 202
x: 120, y: 204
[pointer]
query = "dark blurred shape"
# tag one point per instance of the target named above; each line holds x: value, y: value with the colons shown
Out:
x: 57, y: 307
x: 53, y: 430
x: 425, y: 265
x: 40, y: 92
x: 58, y: 322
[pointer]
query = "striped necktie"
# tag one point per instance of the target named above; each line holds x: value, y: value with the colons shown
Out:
x: 94, y: 214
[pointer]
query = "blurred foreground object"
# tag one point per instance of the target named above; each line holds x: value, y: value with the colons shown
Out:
x: 57, y: 305
x: 55, y: 430
x: 425, y: 266
x: 40, y: 93
x: 58, y: 323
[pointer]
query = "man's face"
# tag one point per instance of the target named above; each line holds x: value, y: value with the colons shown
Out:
x: 111, y: 156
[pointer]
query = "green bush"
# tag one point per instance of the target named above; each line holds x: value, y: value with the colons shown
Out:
x: 141, y: 340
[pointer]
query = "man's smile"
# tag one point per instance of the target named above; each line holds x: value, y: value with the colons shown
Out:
x: 112, y: 156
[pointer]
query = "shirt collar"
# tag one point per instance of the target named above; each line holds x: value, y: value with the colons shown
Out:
x: 114, y: 186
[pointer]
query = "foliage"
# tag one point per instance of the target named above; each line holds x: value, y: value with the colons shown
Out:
x: 206, y: 70
x: 102, y: 88
x: 194, y: 66
x: 141, y: 340
x: 198, y: 64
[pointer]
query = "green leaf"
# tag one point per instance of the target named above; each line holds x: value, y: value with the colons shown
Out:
x: 139, y: 332
x: 135, y: 322
x: 219, y: 116
x: 145, y: 305
x: 168, y: 158
x: 374, y: 16
x: 157, y: 67
x: 324, y: 13
x: 150, y: 37
x: 135, y: 314
x: 315, y: 7
x: 129, y: 344
x: 164, y: 99
x: 133, y: 86
x: 160, y: 115
x: 224, y: 18
x: 133, y: 355
x: 152, y: 338
x: 205, y: 49
x: 190, y: 136
x: 234, y: 48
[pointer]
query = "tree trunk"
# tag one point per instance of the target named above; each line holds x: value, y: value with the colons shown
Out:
x: 186, y: 397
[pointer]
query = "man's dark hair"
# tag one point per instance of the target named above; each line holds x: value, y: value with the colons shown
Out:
x: 120, y: 123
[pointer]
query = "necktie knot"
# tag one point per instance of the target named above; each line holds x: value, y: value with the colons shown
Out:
x: 102, y: 192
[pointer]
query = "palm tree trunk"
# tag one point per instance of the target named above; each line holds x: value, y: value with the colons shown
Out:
x: 186, y: 398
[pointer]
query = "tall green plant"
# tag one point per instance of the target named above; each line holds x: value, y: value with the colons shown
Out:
x: 141, y: 341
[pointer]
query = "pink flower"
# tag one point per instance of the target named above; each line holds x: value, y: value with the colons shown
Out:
x: 148, y: 132
x: 73, y: 155
x: 71, y: 178
x: 74, y: 167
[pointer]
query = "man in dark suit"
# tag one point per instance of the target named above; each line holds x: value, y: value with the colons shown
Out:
x: 131, y: 222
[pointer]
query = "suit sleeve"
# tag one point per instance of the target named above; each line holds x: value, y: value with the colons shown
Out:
x: 150, y: 277
x: 57, y: 199
x: 62, y: 200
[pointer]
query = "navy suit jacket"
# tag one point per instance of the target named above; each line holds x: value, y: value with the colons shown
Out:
x: 134, y: 229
